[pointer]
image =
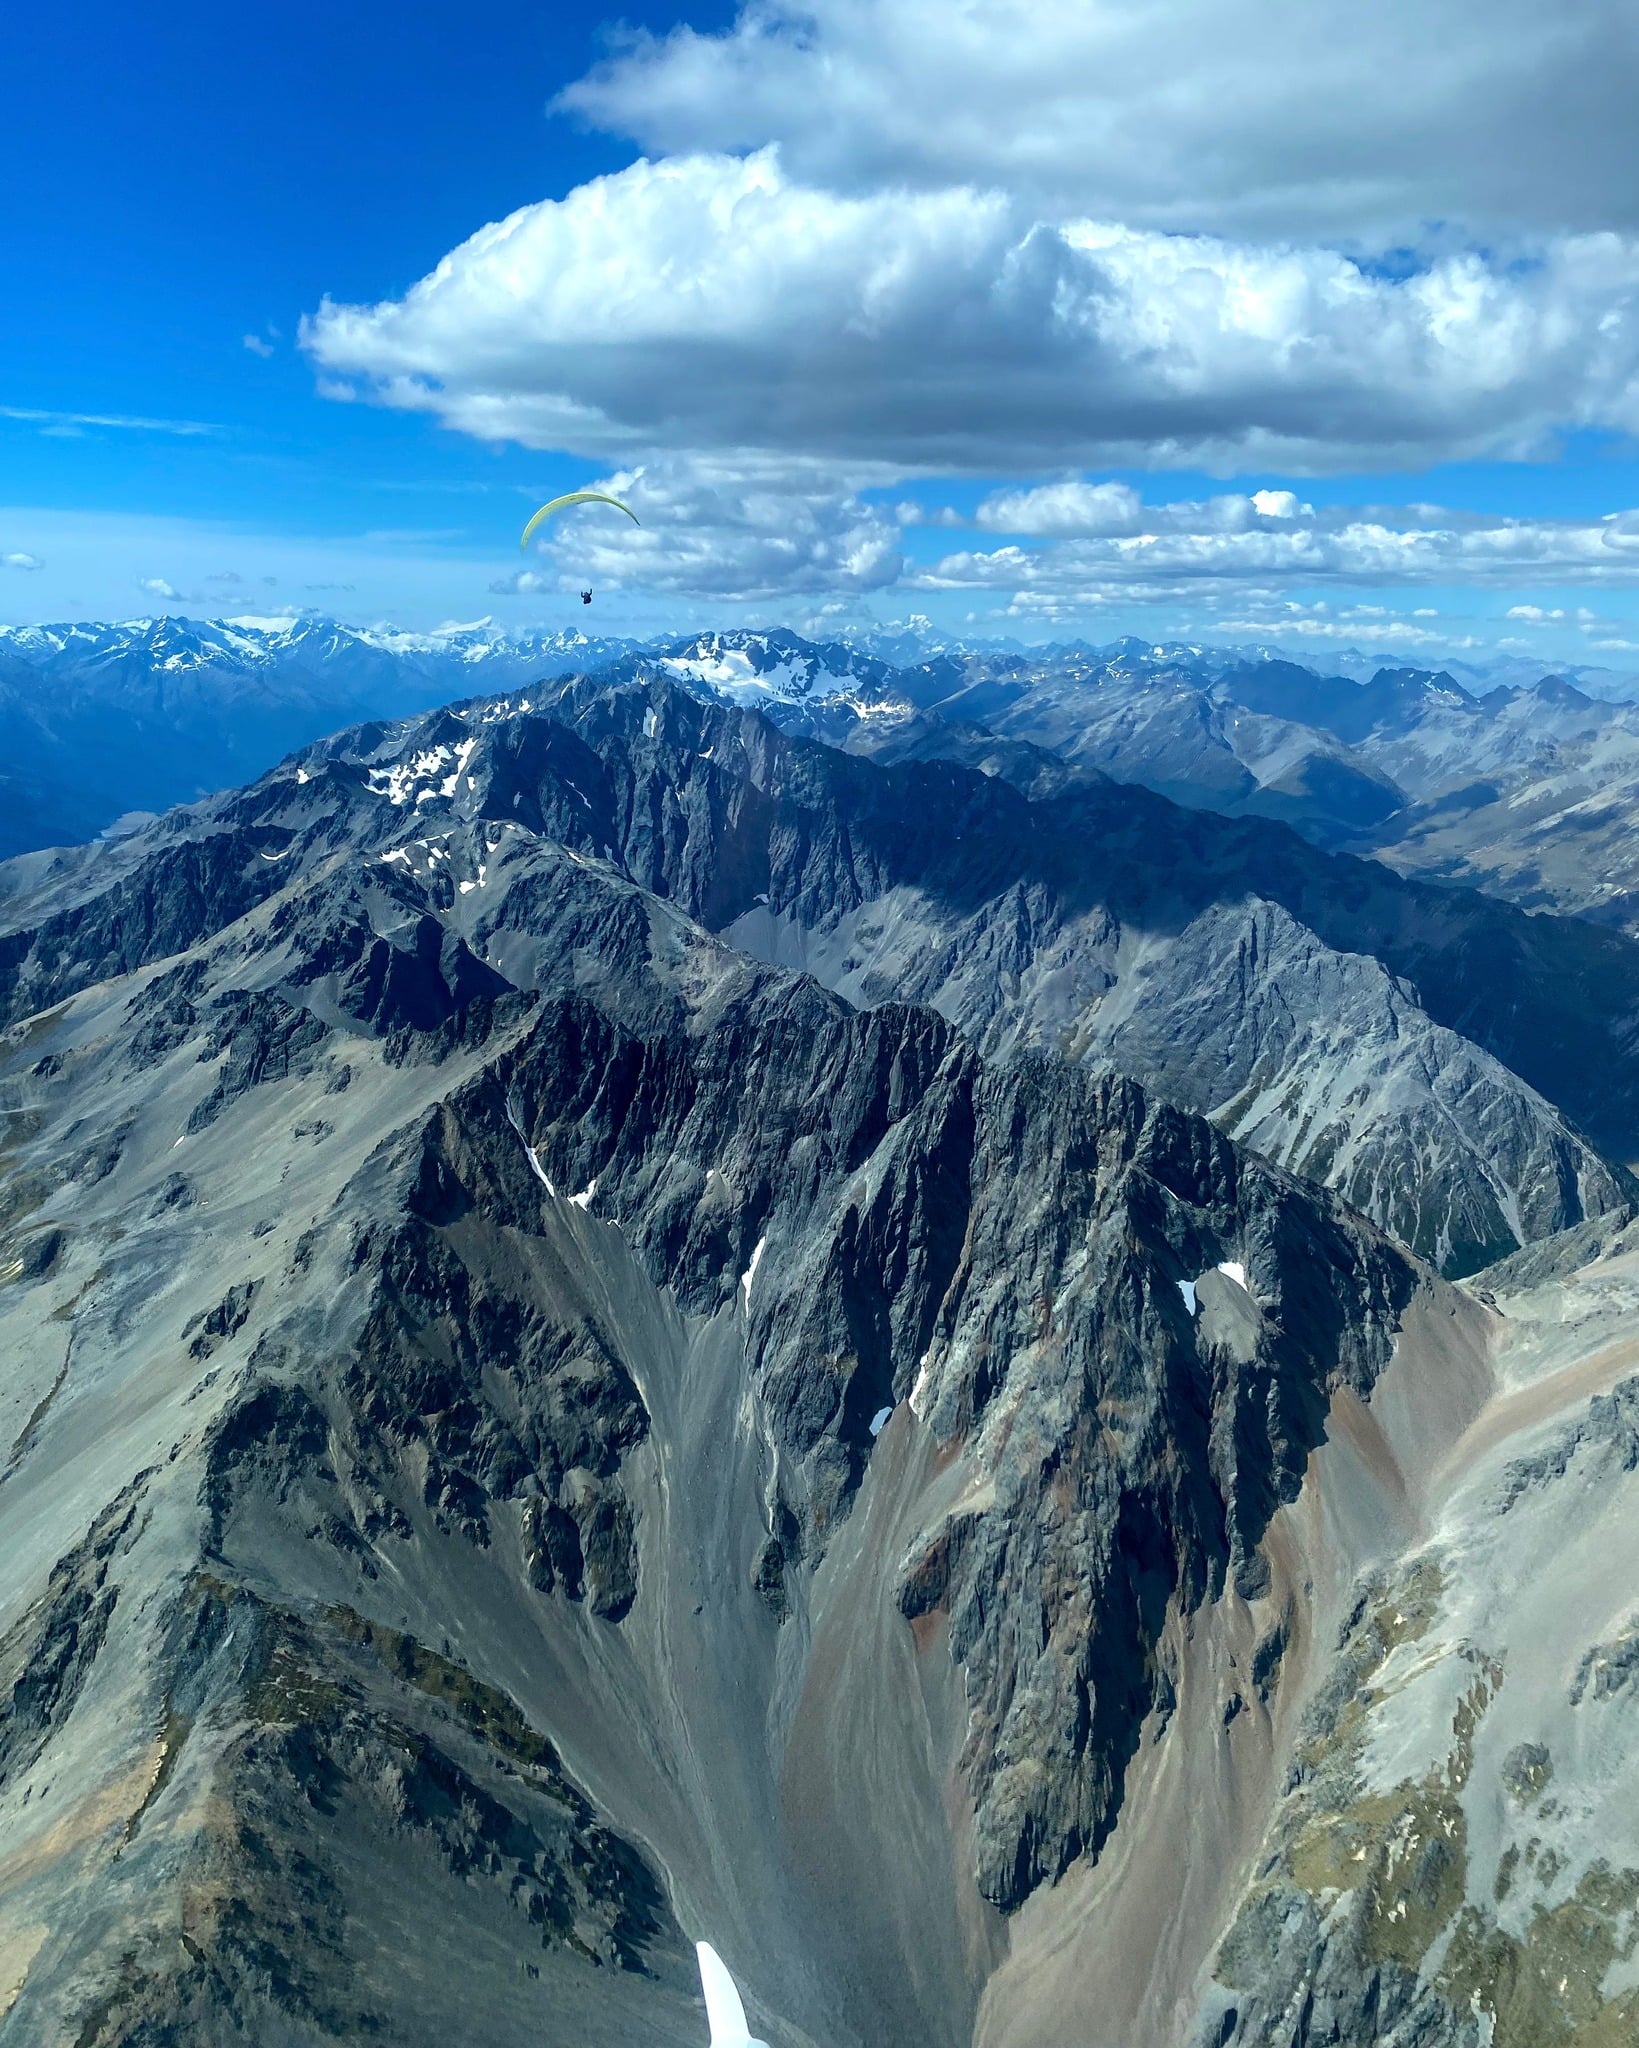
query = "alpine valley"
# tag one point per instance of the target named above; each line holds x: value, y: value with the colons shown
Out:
x: 961, y: 1318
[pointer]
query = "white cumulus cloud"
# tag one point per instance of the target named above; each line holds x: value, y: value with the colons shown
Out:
x: 1067, y: 507
x: 524, y: 583
x: 1166, y: 549
x: 715, y: 303
x: 17, y: 559
x: 156, y: 586
x: 1283, y: 119
x: 738, y: 530
x: 1115, y: 509
x: 1550, y: 615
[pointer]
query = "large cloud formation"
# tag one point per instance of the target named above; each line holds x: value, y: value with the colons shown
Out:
x: 1275, y: 119
x: 1099, y: 545
x: 711, y: 529
x: 712, y: 303
x: 887, y: 240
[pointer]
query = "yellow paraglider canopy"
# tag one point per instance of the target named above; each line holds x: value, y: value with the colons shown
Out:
x: 575, y: 498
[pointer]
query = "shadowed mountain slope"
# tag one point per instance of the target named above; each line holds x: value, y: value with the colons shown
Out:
x: 535, y: 1437
x: 1357, y: 1028
x: 455, y: 1366
x: 1327, y: 1013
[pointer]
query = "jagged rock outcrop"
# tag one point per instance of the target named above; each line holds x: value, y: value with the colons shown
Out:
x: 540, y: 1437
x: 1358, y: 1034
x: 609, y: 1153
x: 1428, y: 1055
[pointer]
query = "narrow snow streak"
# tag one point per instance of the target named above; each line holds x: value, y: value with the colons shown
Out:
x: 529, y: 1151
x: 750, y: 1272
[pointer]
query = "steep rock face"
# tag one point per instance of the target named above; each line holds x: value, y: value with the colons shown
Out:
x: 1452, y: 1858
x: 1004, y: 1247
x: 1330, y: 1016
x: 1298, y: 1001
x: 159, y: 907
x: 490, y: 1392
x: 889, y: 1179
x: 327, y: 1743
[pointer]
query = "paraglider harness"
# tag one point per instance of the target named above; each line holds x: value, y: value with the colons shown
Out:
x: 586, y: 597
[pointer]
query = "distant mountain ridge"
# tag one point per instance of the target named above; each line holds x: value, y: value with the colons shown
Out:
x: 1440, y: 1060
x: 109, y: 719
x: 247, y: 640
x: 1436, y: 770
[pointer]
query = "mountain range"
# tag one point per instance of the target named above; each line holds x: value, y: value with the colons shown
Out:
x: 1425, y: 767
x: 737, y: 1294
x: 103, y: 720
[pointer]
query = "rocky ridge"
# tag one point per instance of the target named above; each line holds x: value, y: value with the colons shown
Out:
x: 399, y: 1270
x: 512, y: 1388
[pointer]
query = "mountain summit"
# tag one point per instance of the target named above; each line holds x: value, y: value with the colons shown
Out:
x: 625, y: 1329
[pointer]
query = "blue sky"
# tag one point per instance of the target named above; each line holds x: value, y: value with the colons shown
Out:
x: 192, y: 175
x: 821, y: 296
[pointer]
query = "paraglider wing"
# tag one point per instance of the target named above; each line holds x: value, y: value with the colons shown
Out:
x: 574, y: 498
x: 724, y: 2012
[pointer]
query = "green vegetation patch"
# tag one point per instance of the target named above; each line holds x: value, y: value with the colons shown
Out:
x: 1546, y: 1989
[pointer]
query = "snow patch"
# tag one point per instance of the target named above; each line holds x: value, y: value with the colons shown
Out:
x: 750, y: 1272
x: 1187, y: 1289
x: 1232, y: 1269
x: 463, y: 754
x: 584, y: 1199
x: 434, y: 772
x: 530, y: 1154
x: 731, y: 673
x: 879, y: 1421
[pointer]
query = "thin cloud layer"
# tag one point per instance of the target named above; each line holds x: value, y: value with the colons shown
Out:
x: 1285, y: 119
x: 1159, y: 550
x: 80, y: 422
x: 714, y: 529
